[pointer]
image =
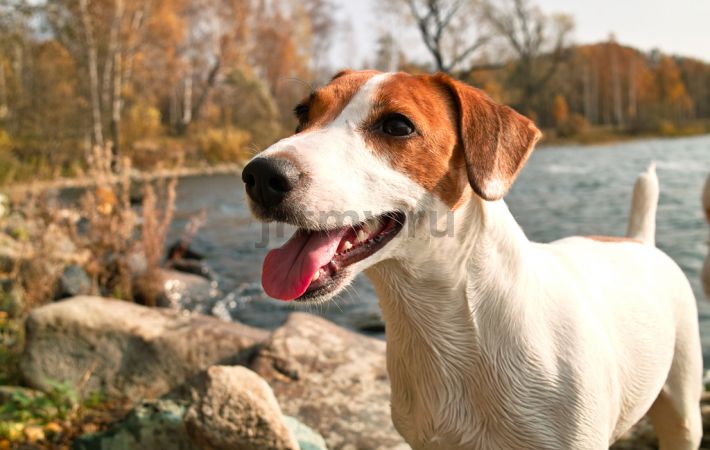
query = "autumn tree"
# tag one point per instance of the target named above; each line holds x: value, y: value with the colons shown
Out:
x: 537, y: 41
x: 560, y: 111
x: 672, y: 92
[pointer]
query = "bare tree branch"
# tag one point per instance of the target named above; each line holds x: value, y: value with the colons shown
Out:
x: 435, y: 21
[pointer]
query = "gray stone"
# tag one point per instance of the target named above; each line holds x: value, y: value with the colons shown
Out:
x: 150, y: 425
x: 179, y: 290
x: 73, y: 281
x: 138, y: 352
x: 307, y: 437
x: 237, y: 410
x: 333, y: 380
x: 193, y: 266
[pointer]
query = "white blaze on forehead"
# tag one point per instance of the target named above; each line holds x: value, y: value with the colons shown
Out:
x: 360, y: 104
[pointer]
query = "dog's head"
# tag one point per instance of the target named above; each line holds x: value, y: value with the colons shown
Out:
x: 372, y: 151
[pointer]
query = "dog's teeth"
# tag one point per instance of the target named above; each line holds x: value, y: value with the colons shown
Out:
x: 316, y: 275
x: 372, y: 224
x: 362, y: 236
x: 347, y: 246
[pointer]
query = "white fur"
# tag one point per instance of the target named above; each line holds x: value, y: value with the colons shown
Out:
x: 644, y: 201
x: 705, y: 274
x: 494, y: 342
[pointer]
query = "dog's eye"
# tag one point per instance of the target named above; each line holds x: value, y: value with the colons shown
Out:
x: 397, y: 126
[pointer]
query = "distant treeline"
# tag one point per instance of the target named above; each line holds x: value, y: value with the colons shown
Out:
x: 614, y: 86
x: 524, y: 58
x: 206, y: 81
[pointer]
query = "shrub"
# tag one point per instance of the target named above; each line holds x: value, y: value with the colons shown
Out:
x: 143, y: 122
x: 227, y: 144
x: 576, y: 125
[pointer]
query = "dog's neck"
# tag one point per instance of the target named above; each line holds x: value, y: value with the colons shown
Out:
x: 447, y: 305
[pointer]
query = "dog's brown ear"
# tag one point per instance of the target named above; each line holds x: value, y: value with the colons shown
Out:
x: 496, y: 140
x: 341, y: 73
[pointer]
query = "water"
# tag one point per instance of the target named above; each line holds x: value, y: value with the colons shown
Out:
x: 562, y: 191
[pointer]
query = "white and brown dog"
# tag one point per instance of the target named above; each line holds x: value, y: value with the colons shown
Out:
x: 493, y: 342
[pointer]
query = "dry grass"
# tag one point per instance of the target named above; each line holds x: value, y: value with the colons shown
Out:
x: 103, y: 233
x: 154, y: 231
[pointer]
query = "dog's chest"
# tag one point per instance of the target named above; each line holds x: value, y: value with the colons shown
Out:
x: 483, y: 406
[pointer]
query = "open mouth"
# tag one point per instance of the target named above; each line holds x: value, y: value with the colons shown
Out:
x: 313, y: 263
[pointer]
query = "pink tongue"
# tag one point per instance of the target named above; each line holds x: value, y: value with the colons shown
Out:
x: 288, y: 270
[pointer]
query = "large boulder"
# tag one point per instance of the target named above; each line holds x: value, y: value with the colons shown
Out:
x: 333, y: 380
x: 236, y: 409
x: 128, y: 350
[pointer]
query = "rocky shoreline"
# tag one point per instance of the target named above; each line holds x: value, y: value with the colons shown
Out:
x: 197, y: 382
x: 136, y: 176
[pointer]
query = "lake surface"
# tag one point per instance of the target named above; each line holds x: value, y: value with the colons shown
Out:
x: 562, y: 191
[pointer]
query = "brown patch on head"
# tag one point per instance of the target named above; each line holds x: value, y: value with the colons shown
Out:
x: 428, y: 156
x: 324, y: 105
x: 461, y: 137
x: 611, y: 239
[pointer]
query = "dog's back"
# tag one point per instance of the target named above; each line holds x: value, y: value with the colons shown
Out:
x: 661, y: 316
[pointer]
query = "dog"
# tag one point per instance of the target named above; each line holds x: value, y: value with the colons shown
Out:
x: 705, y: 272
x: 493, y: 342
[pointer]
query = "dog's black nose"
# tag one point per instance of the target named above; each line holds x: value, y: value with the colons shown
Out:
x: 268, y: 181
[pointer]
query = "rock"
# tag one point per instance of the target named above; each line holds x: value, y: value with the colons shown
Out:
x: 158, y: 425
x: 73, y: 281
x: 307, y: 437
x: 333, y: 380
x: 237, y: 410
x: 139, y: 352
x: 193, y: 266
x: 181, y: 250
x: 150, y: 425
x: 178, y: 290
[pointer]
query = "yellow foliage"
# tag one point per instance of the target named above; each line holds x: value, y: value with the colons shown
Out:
x: 666, y: 128
x: 223, y: 144
x: 143, y: 121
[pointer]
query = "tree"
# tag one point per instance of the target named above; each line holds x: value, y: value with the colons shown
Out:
x: 560, y: 111
x: 537, y: 40
x: 447, y: 29
x: 672, y: 92
x: 93, y: 71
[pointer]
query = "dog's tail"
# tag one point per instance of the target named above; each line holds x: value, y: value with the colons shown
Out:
x: 642, y: 220
x: 705, y: 274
